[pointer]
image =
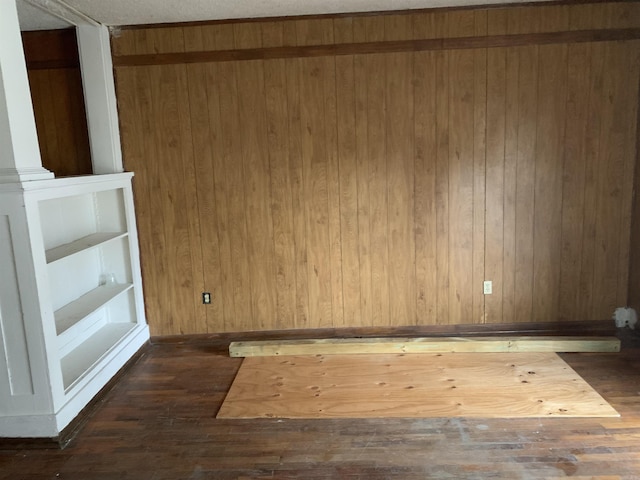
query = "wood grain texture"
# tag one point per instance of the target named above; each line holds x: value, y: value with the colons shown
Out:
x: 425, y: 186
x: 350, y: 346
x: 471, y: 385
x: 442, y: 186
x: 479, y: 168
x: 633, y: 286
x: 382, y: 189
x: 201, y: 178
x: 548, y: 185
x: 159, y: 423
x: 525, y: 181
x: 378, y: 188
x: 574, y: 174
x: 348, y: 179
x: 495, y: 163
x: 51, y: 49
x: 322, y: 49
x: 58, y: 101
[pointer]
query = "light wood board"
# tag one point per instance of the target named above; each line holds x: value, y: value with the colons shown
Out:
x: 486, y: 385
x: 346, y: 346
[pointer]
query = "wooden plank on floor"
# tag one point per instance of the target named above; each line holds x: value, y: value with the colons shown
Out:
x: 487, y: 385
x: 347, y: 346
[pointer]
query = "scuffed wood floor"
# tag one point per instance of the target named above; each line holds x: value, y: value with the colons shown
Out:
x: 159, y: 423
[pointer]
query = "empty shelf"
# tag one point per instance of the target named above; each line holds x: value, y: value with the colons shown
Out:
x: 84, y: 243
x: 80, y: 360
x: 72, y: 313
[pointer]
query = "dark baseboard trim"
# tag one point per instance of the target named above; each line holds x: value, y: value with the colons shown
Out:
x: 71, y: 430
x: 586, y: 328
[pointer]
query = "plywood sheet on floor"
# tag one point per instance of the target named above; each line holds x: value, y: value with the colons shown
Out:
x: 488, y: 385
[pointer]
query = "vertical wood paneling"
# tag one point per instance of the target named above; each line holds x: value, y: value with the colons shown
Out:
x: 633, y: 270
x: 525, y: 181
x: 626, y: 263
x: 281, y: 196
x: 58, y: 101
x: 232, y: 168
x: 442, y: 187
x: 362, y: 173
x: 256, y: 178
x: 520, y: 20
x: 44, y: 110
x: 461, y: 181
x: 196, y: 257
x: 204, y: 183
x: 382, y: 189
x: 315, y: 172
x: 181, y: 232
x: 400, y: 184
x: 425, y: 186
x: 333, y: 181
x: 591, y: 161
x: 202, y: 178
x: 479, y: 170
x: 159, y: 305
x: 217, y: 194
x: 153, y: 268
x: 174, y: 200
x: 297, y: 193
x: 608, y: 185
x: 510, y: 175
x: 376, y: 122
x: 495, y: 164
x: 574, y: 176
x: 257, y: 188
x: 548, y: 187
x: 400, y: 175
x: 58, y: 106
x: 131, y: 131
x: 348, y: 177
x: 612, y: 179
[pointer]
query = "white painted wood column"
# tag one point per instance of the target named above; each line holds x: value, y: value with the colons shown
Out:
x: 100, y: 98
x: 19, y: 151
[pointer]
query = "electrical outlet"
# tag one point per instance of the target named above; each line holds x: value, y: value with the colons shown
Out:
x: 488, y: 287
x: 206, y: 298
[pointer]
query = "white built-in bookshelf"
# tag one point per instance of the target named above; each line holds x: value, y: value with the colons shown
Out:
x: 80, y: 247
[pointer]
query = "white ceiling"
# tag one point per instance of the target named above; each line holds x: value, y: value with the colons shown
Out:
x: 33, y: 18
x: 138, y: 12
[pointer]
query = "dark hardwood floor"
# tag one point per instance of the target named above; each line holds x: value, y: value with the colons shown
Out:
x: 159, y: 423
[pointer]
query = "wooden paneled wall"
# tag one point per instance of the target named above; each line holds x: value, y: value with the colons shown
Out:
x: 305, y: 185
x: 58, y: 101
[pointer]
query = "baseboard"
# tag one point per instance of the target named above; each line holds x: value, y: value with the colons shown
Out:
x: 586, y: 328
x: 71, y: 430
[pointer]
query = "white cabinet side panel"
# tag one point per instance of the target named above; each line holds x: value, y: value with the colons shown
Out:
x: 14, y: 341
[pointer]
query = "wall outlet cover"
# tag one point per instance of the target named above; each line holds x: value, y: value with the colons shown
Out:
x: 625, y: 317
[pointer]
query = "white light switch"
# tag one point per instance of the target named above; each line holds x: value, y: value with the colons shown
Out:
x: 488, y: 287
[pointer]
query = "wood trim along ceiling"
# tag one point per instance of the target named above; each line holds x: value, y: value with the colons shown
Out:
x: 382, y: 189
x: 435, y: 44
x: 352, y: 15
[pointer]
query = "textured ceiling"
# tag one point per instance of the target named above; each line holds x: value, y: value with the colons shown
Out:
x: 138, y: 12
x: 33, y: 18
